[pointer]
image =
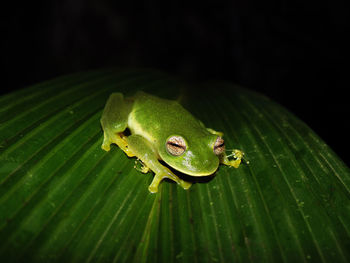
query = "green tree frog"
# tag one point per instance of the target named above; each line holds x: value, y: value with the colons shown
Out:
x: 162, y: 130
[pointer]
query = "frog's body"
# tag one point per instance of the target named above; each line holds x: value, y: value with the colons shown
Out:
x: 163, y: 130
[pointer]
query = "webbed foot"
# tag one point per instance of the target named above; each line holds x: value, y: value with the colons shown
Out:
x: 237, y: 155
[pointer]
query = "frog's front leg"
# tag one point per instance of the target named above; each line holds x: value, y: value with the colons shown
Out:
x: 236, y: 154
x: 114, y: 121
x: 146, y: 153
x: 118, y: 139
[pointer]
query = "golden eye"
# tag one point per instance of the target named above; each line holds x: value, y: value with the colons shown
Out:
x: 219, y: 146
x: 176, y: 145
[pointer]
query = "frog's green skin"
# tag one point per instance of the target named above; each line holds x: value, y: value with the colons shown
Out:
x: 152, y: 121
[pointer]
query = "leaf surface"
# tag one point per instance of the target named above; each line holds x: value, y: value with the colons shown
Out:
x: 63, y: 199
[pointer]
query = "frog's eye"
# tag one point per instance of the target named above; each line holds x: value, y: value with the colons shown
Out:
x: 176, y: 145
x: 219, y: 146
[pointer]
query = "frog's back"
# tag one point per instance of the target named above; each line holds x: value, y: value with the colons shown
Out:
x: 156, y: 117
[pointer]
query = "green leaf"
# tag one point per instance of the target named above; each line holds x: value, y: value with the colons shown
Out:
x: 63, y: 199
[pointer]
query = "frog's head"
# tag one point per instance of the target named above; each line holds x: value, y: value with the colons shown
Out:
x: 193, y: 156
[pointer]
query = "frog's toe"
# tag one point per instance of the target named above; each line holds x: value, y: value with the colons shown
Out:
x: 235, y: 163
x: 238, y: 154
x: 144, y: 168
x: 185, y: 185
x: 153, y: 189
x: 106, y: 145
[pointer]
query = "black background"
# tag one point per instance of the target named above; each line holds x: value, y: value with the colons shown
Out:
x: 293, y: 52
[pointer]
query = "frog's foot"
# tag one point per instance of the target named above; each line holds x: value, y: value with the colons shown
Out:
x: 148, y: 156
x: 144, y: 168
x: 234, y: 163
x: 119, y: 139
x: 237, y: 155
x: 153, y: 188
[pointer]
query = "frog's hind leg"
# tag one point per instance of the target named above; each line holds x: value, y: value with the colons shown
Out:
x: 145, y: 152
x: 114, y: 121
